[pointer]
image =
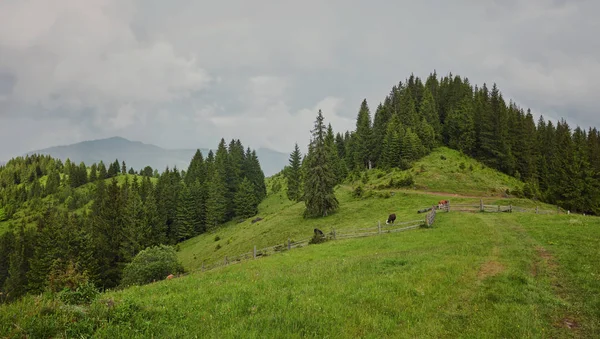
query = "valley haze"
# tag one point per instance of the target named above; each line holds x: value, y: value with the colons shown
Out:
x: 139, y: 155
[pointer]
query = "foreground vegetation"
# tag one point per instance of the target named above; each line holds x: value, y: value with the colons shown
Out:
x: 484, y: 275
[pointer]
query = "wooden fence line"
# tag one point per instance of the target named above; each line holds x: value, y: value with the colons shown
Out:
x: 481, y: 207
x: 335, y: 235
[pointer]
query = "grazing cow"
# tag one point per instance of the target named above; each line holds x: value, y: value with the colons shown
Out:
x: 318, y: 232
x: 391, y: 219
x: 442, y: 203
x: 257, y: 219
x: 170, y: 276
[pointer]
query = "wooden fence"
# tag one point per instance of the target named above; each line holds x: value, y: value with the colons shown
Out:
x: 481, y: 207
x: 333, y: 235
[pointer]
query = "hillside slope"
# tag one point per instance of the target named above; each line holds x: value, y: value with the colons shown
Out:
x: 283, y: 220
x: 472, y: 275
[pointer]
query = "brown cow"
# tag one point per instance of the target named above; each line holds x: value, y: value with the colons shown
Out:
x: 391, y: 219
x: 170, y: 276
x: 443, y: 203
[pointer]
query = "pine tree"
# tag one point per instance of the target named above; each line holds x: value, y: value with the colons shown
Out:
x: 363, y: 138
x: 383, y: 115
x: 102, y: 173
x: 319, y: 182
x: 246, y: 204
x: 428, y: 110
x: 293, y: 175
x: 459, y: 129
x: 123, y: 168
x: 185, y: 220
x: 391, y: 154
x: 408, y: 113
x: 336, y: 162
x: 94, y: 173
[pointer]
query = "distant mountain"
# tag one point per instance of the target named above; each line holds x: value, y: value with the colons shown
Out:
x: 138, y: 155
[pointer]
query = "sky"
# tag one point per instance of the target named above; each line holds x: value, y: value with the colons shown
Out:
x: 184, y: 74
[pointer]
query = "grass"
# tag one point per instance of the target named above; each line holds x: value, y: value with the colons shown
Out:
x: 447, y: 170
x: 472, y: 275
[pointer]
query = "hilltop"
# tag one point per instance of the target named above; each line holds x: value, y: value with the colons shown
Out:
x: 138, y: 155
x: 482, y: 274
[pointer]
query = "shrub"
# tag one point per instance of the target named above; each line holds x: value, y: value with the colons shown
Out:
x: 217, y: 238
x: 471, y: 167
x: 83, y: 294
x: 317, y: 239
x: 365, y: 178
x: 153, y: 263
x: 406, y: 181
x: 462, y: 166
x: 442, y: 157
x: 358, y: 192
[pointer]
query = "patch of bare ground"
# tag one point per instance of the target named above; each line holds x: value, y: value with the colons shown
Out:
x: 489, y: 269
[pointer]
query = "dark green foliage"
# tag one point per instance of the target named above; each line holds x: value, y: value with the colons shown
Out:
x: 153, y: 263
x: 363, y: 138
x: 246, y: 203
x: 293, y: 175
x: 319, y: 180
x: 459, y: 130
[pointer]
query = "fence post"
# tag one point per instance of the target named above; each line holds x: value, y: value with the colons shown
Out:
x: 334, y: 237
x: 510, y: 208
x: 481, y: 205
x: 226, y: 260
x: 254, y: 251
x: 557, y: 209
x: 537, y: 209
x: 379, y: 226
x: 448, y: 207
x: 289, y: 244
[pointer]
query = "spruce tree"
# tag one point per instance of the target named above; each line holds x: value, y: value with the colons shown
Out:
x: 383, y: 115
x: 459, y: 129
x: 363, y: 138
x: 428, y: 110
x: 336, y: 162
x: 246, y: 204
x: 293, y: 174
x: 319, y: 181
x: 94, y: 173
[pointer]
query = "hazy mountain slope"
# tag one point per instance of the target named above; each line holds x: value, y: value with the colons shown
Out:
x: 138, y: 155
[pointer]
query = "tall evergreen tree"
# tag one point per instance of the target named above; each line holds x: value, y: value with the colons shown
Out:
x: 319, y: 182
x: 363, y: 138
x: 246, y: 204
x: 293, y: 174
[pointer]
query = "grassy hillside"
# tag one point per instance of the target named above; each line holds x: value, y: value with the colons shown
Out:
x: 472, y: 275
x: 282, y: 219
x: 447, y: 170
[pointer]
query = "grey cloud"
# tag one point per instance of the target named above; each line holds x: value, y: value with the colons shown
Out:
x: 185, y: 73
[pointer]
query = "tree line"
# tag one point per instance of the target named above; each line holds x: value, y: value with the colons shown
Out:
x: 119, y: 213
x: 557, y: 164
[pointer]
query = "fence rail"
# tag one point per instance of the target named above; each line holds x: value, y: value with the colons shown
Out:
x: 481, y: 207
x: 333, y: 235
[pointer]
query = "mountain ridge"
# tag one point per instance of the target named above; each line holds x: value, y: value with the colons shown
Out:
x: 138, y: 154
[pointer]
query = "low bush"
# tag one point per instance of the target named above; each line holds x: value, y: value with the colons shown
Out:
x: 153, y: 263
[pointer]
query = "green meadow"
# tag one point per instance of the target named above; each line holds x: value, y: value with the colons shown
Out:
x: 472, y: 275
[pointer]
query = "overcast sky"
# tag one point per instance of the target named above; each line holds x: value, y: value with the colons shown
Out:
x: 183, y: 73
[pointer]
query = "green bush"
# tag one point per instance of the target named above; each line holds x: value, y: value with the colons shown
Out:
x: 358, y: 192
x: 83, y: 294
x: 153, y: 263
